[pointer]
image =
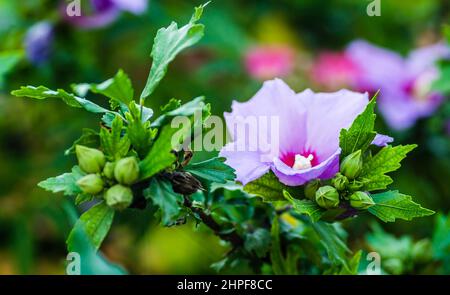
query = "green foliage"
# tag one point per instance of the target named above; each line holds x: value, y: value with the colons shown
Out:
x: 214, y: 170
x: 8, y: 60
x: 169, y: 42
x: 304, y: 206
x: 89, y: 138
x: 139, y: 131
x: 441, y: 237
x: 160, y: 192
x: 360, y: 135
x: 270, y: 188
x: 160, y: 156
x: 276, y: 256
x: 258, y: 242
x: 336, y: 249
x: 114, y: 144
x: 386, y: 160
x: 66, y: 182
x: 118, y: 89
x: 392, y: 204
x: 187, y: 109
x: 95, y: 222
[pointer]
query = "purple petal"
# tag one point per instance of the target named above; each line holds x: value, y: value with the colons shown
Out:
x: 289, y: 176
x: 425, y: 58
x: 327, y: 114
x: 382, y: 140
x: 133, y: 6
x: 379, y: 66
x: 38, y: 42
x: 248, y: 165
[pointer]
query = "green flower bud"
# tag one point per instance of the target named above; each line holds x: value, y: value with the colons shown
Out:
x: 126, y: 171
x: 361, y: 200
x: 327, y: 197
x: 352, y: 165
x: 340, y: 182
x: 355, y: 185
x: 90, y: 160
x: 91, y: 184
x: 311, y: 188
x: 119, y: 197
x: 109, y: 169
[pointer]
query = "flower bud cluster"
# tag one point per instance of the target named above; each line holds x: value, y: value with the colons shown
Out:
x: 344, y: 189
x: 109, y: 180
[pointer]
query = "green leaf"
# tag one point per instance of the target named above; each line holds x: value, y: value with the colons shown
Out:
x: 161, y: 193
x: 353, y: 265
x: 360, y: 135
x: 66, y: 182
x: 96, y: 223
x: 160, y: 156
x: 386, y: 160
x: 70, y: 99
x: 168, y: 43
x: 442, y: 84
x: 336, y: 249
x: 8, y: 60
x: 392, y: 204
x: 214, y: 170
x: 114, y: 144
x: 269, y: 188
x: 305, y: 206
x: 92, y: 262
x: 258, y: 242
x: 82, y: 198
x: 139, y: 131
x: 89, y: 138
x: 187, y: 109
x: 119, y: 89
x: 441, y: 237
x: 173, y: 104
x: 276, y: 255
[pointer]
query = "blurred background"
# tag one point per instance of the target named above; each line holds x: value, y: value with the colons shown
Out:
x: 246, y: 42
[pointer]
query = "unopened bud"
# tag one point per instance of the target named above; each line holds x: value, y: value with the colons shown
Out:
x: 109, y: 169
x: 352, y: 165
x: 327, y: 197
x: 90, y: 184
x: 127, y: 170
x: 340, y: 182
x: 311, y: 188
x: 361, y: 200
x: 90, y: 160
x: 119, y: 197
x: 355, y: 185
x: 184, y: 183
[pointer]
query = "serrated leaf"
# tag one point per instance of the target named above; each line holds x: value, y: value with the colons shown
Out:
x: 160, y: 192
x: 361, y: 133
x: 258, y: 242
x: 305, y: 206
x: 187, y: 109
x: 169, y: 42
x: 391, y: 205
x: 160, y: 156
x: 173, y: 104
x: 89, y: 138
x: 96, y: 223
x: 139, y: 131
x: 66, y: 182
x: 386, y: 160
x: 269, y: 188
x: 119, y: 89
x: 70, y: 99
x: 214, y: 170
x: 114, y: 144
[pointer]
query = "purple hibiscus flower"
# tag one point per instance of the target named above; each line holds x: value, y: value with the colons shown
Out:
x: 104, y: 12
x: 307, y: 136
x: 404, y: 83
x: 38, y: 42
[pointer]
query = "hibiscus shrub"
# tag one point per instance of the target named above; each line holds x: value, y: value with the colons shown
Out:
x: 330, y: 165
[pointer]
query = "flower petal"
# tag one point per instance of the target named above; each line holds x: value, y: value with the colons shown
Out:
x: 382, y: 140
x: 326, y: 169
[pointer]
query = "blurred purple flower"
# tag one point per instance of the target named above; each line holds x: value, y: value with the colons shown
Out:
x: 105, y: 12
x: 38, y: 42
x: 307, y: 137
x: 334, y: 70
x: 405, y: 84
x: 269, y: 61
